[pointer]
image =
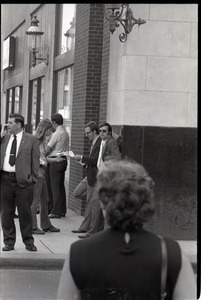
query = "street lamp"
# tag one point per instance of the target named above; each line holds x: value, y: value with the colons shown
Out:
x: 34, y: 33
x: 70, y: 36
x: 121, y: 14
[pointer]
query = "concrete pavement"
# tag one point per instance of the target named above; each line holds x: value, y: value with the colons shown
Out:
x: 52, y: 247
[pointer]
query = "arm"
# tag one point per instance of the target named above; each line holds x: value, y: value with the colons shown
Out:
x: 185, y: 288
x: 67, y: 288
x: 47, y: 150
x: 91, y: 160
x: 35, y: 159
x: 54, y: 159
x: 3, y: 131
x: 114, y: 152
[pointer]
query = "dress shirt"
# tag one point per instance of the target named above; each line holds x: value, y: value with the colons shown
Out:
x: 6, y: 166
x: 93, y: 143
x: 100, y: 162
x: 59, y: 141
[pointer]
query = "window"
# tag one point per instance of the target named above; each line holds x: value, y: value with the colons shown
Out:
x: 36, y: 101
x: 67, y: 32
x: 64, y: 96
x: 14, y: 100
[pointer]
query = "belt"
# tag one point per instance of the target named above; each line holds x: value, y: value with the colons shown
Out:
x: 57, y: 156
x: 12, y: 174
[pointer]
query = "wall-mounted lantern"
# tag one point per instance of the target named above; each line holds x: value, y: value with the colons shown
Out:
x: 121, y: 14
x: 34, y: 34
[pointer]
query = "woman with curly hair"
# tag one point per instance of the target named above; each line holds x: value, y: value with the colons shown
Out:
x: 124, y: 261
x: 40, y: 198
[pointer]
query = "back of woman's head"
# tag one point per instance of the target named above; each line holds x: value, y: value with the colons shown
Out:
x: 126, y: 192
x: 42, y: 128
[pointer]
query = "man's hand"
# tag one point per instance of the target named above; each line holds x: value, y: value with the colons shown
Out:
x: 4, y: 130
x: 77, y: 157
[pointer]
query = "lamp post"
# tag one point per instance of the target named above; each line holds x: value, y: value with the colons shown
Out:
x: 121, y: 14
x: 34, y: 33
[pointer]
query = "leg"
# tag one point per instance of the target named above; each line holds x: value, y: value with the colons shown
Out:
x: 36, y: 201
x: 57, y: 183
x: 49, y: 188
x: 63, y: 194
x: 88, y: 211
x: 44, y: 219
x: 97, y: 220
x: 80, y: 191
x: 24, y: 198
x: 8, y: 185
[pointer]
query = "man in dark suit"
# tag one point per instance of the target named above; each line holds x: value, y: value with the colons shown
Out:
x: 19, y: 169
x: 93, y: 219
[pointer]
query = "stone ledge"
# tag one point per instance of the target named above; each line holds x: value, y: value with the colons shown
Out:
x: 49, y: 262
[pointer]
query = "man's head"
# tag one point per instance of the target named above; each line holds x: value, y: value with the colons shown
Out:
x: 15, y: 123
x: 57, y: 120
x: 91, y: 130
x: 105, y: 130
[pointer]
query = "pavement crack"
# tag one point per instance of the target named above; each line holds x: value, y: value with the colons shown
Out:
x: 46, y: 246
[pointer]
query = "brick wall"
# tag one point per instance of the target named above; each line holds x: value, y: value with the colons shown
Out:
x: 87, y: 87
x: 105, y: 71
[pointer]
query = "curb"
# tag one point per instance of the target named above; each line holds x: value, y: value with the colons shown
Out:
x: 38, y: 262
x: 50, y: 262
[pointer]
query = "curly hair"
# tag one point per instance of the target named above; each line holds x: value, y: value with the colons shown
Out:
x: 126, y: 192
x: 42, y: 127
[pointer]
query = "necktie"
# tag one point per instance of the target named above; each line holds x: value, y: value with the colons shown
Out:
x: 100, y: 155
x: 13, y: 151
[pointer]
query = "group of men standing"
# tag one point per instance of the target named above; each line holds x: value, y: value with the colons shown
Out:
x: 19, y: 166
x: 103, y: 147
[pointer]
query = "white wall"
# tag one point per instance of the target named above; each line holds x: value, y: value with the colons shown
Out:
x: 153, y: 75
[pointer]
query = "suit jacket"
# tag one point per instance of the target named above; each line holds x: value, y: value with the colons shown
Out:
x: 111, y: 150
x: 27, y: 160
x: 91, y: 162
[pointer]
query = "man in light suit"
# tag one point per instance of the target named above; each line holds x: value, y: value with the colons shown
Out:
x: 93, y: 218
x: 109, y: 148
x: 18, y: 176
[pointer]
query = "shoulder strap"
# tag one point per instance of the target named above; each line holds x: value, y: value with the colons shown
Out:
x: 163, y: 268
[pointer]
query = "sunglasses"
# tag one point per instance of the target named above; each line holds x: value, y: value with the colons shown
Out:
x: 102, y: 130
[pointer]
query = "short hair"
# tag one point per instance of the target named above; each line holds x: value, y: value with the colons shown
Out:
x: 108, y: 126
x: 126, y: 191
x: 93, y: 126
x: 18, y: 118
x: 42, y: 127
x: 57, y: 118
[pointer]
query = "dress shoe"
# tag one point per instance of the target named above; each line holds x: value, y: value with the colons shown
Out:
x: 78, y: 231
x: 52, y: 216
x: 37, y: 231
x: 31, y: 247
x: 83, y: 236
x: 8, y: 247
x: 63, y: 215
x: 51, y: 229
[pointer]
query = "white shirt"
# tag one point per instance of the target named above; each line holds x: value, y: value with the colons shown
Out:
x: 59, y: 141
x: 6, y: 166
x: 100, y: 162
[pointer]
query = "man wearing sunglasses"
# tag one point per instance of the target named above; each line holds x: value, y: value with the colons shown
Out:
x: 109, y: 148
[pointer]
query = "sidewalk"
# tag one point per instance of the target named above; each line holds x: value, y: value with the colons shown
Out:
x: 52, y: 247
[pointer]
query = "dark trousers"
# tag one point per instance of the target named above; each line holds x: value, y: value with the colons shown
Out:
x: 56, y: 189
x: 13, y: 195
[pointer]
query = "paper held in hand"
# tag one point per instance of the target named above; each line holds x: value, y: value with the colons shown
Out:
x: 66, y: 153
